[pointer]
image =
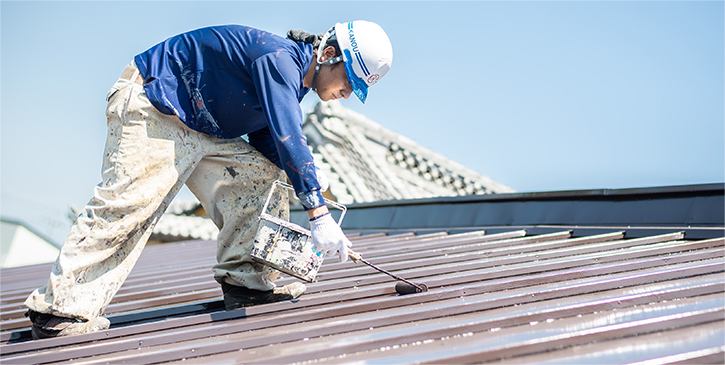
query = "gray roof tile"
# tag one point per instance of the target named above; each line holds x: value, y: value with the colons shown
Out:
x: 367, y: 162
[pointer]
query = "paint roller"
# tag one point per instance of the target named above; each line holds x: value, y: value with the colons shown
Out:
x: 402, y: 287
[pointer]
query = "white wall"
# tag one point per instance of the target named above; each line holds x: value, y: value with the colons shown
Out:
x: 22, y: 247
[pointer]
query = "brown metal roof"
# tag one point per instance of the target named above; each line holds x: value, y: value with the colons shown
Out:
x: 506, y: 297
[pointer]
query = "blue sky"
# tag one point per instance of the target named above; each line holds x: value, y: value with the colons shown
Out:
x: 540, y: 96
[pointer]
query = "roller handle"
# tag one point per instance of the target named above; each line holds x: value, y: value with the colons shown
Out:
x: 354, y: 256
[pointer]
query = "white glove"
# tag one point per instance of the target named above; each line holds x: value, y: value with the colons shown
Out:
x: 322, y: 179
x: 328, y: 238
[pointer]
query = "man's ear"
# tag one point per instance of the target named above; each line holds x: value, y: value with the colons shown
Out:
x: 328, y: 53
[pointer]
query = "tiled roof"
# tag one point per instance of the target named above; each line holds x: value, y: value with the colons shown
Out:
x: 364, y: 161
x: 173, y: 227
x: 508, y: 297
x: 181, y: 223
x: 367, y: 162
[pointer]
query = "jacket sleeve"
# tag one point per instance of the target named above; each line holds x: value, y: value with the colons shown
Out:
x: 277, y: 78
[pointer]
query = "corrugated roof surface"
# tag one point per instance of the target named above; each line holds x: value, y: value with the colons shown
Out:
x: 504, y: 297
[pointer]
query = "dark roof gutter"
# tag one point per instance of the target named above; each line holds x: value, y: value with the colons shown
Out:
x: 699, y: 210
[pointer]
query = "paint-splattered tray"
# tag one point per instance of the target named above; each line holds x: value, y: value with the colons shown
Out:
x: 286, y: 246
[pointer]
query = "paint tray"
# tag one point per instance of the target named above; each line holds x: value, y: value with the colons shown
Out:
x: 286, y: 246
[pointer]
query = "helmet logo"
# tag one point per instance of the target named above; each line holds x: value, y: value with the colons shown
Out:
x: 353, y: 42
x: 373, y: 79
x: 351, y: 34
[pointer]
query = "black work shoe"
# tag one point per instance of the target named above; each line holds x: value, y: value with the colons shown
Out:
x: 239, y: 296
x: 48, y: 325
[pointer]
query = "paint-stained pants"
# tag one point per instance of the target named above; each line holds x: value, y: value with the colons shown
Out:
x: 147, y: 159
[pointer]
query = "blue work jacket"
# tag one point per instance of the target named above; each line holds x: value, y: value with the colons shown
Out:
x: 230, y: 81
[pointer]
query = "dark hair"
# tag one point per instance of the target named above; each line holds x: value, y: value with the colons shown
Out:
x: 314, y: 39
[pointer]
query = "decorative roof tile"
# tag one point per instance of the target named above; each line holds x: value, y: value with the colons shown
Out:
x: 363, y: 161
x: 367, y: 162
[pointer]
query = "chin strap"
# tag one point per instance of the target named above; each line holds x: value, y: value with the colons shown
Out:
x: 330, y: 34
x: 317, y: 70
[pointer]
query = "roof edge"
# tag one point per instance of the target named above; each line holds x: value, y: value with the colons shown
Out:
x: 32, y: 230
x: 625, y: 193
x: 699, y: 210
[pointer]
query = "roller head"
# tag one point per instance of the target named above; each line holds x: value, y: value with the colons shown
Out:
x: 405, y: 288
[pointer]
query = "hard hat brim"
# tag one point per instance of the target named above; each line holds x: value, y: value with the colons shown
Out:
x: 359, y: 86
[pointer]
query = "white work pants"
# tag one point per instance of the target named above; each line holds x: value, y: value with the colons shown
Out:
x: 147, y: 159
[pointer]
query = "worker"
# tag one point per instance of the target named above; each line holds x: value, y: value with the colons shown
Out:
x: 179, y: 114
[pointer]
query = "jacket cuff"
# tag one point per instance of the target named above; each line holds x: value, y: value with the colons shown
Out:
x: 311, y: 200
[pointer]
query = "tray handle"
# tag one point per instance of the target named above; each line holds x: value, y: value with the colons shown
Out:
x: 288, y: 186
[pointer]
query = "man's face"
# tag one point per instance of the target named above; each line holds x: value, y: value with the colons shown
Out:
x: 332, y: 82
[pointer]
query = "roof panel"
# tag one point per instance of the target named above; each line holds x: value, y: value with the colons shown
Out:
x: 509, y: 296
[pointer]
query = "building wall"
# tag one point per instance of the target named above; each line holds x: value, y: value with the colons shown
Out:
x: 21, y: 247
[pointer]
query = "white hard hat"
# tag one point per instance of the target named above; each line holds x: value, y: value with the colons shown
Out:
x: 367, y: 53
